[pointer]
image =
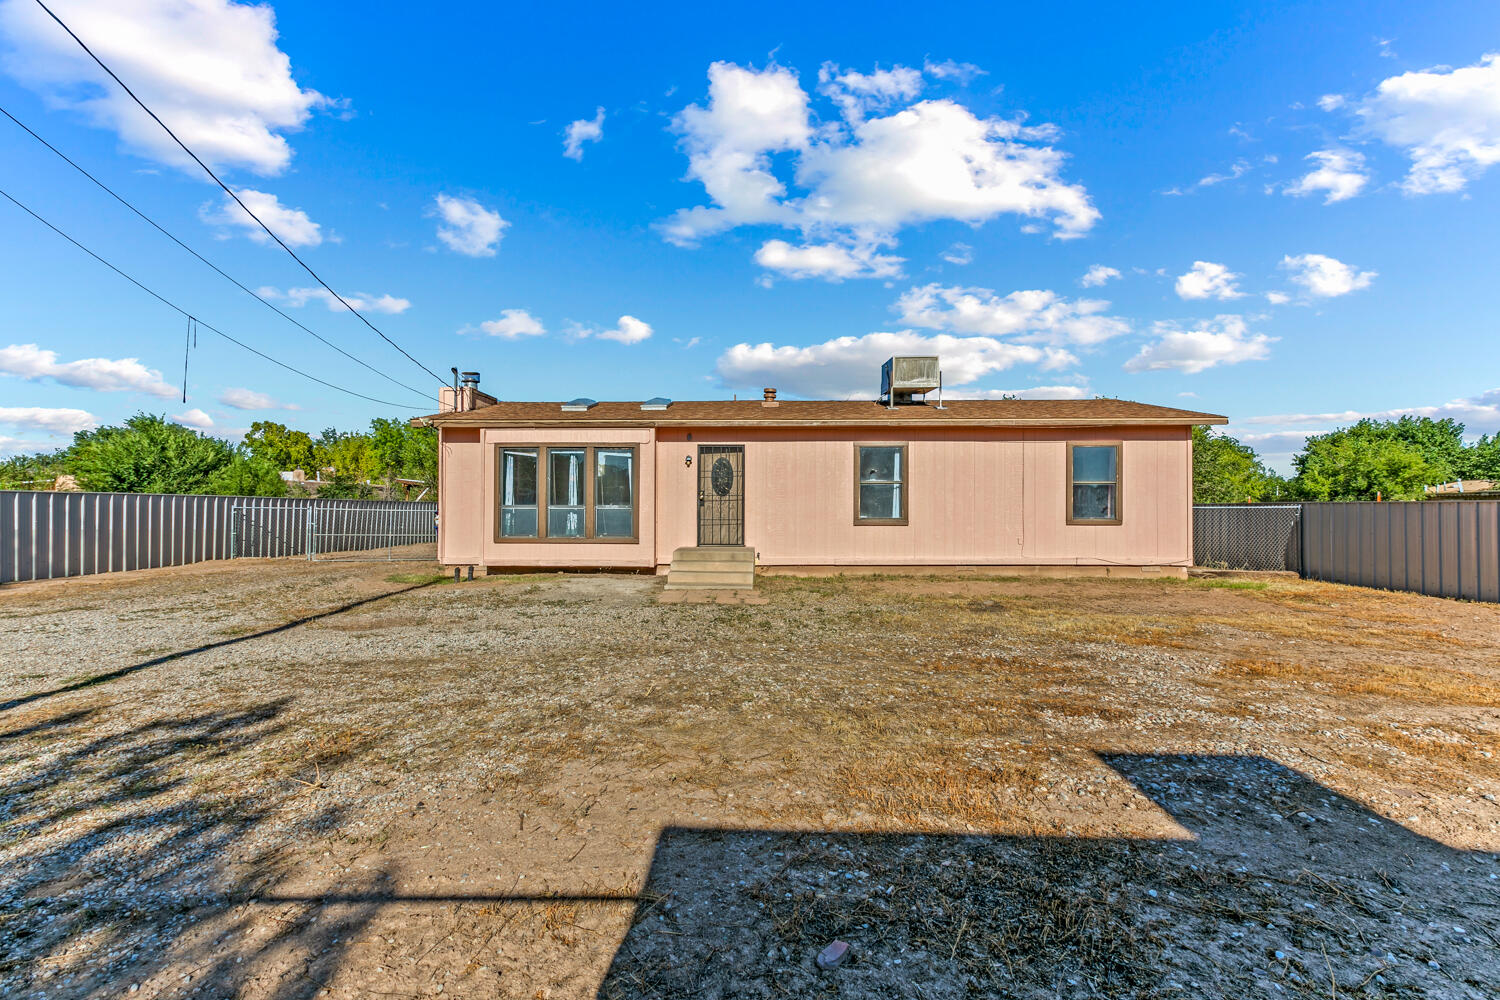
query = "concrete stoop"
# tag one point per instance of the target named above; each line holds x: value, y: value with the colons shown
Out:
x: 712, y: 567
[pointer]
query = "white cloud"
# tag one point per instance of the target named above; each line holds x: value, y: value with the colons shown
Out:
x: 1097, y: 275
x: 1340, y: 175
x: 963, y: 72
x: 1325, y: 277
x: 249, y: 399
x: 830, y: 261
x: 468, y: 227
x: 850, y: 366
x: 581, y: 131
x: 363, y: 301
x: 513, y: 324
x: 1479, y: 414
x: 1237, y: 170
x: 291, y: 224
x: 857, y: 94
x: 194, y: 418
x: 1030, y: 392
x: 1207, y: 280
x: 1446, y: 120
x: 1278, y: 298
x: 1224, y: 340
x: 867, y: 178
x: 29, y: 361
x: 628, y: 330
x: 959, y: 253
x: 53, y: 420
x: 1332, y: 102
x: 210, y: 68
x: 1034, y: 314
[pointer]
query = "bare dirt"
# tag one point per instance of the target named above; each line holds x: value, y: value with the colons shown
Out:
x: 277, y: 780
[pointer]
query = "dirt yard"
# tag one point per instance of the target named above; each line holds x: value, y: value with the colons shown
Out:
x: 293, y: 780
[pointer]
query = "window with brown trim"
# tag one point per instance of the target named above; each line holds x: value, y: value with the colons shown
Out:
x: 567, y: 493
x: 881, y: 473
x: 1094, y: 482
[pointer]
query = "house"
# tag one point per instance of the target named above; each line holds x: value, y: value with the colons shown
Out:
x: 1099, y: 486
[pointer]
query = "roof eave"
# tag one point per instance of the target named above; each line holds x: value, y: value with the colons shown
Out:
x: 1205, y: 419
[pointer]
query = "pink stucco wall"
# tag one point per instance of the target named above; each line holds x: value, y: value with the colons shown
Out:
x: 977, y: 496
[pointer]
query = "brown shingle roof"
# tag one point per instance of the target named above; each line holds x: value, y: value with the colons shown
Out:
x: 721, y: 412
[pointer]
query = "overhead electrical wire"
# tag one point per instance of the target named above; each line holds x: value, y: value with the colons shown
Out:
x: 226, y: 276
x: 228, y: 191
x: 196, y: 321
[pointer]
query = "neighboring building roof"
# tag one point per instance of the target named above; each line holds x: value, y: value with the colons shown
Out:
x: 787, y: 412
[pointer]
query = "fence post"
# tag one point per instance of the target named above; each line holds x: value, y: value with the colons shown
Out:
x: 312, y: 519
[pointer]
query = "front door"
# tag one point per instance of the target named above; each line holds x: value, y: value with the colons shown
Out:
x: 721, y: 494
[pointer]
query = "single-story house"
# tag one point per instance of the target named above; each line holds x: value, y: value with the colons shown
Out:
x: 898, y: 484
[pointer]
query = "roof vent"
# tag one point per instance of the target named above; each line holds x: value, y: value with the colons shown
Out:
x: 656, y: 403
x: 579, y: 405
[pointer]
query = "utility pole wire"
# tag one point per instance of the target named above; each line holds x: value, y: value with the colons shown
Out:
x: 230, y: 278
x: 237, y: 201
x: 174, y: 306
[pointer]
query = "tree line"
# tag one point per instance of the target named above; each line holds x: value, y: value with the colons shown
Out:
x: 1388, y: 459
x: 151, y: 454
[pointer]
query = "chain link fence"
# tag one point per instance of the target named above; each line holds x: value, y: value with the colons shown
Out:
x: 1248, y: 536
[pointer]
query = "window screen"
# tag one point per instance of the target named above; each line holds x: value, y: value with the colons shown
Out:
x: 882, y: 482
x: 1095, y: 483
x: 614, y: 489
x: 518, y: 493
x: 566, y: 475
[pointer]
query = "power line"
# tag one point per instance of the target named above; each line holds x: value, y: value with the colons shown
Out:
x: 243, y: 206
x: 174, y: 306
x: 230, y: 278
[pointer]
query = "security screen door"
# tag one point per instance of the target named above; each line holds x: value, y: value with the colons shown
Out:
x: 721, y: 494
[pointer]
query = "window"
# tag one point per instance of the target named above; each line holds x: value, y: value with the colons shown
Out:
x: 1094, y: 483
x: 880, y: 484
x: 566, y: 469
x: 567, y: 493
x: 614, y: 486
x: 518, y: 492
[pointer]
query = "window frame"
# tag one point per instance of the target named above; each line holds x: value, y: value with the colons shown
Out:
x: 542, y: 484
x: 904, y: 482
x: 1119, y: 484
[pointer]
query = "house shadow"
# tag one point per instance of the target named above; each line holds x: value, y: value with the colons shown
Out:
x: 1276, y: 887
x: 115, y: 855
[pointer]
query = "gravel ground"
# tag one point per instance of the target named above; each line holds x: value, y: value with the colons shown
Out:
x: 296, y: 780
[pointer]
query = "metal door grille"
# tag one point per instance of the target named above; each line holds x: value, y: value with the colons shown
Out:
x: 721, y: 494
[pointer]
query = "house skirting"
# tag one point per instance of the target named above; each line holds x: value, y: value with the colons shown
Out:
x: 1025, y: 569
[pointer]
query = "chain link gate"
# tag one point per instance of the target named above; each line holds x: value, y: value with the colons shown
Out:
x: 351, y: 532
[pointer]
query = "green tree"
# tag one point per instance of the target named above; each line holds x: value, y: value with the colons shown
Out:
x: 1225, y: 470
x: 403, y: 451
x: 31, y: 472
x: 148, y: 454
x: 1349, y: 464
x: 344, y: 486
x: 1481, y: 460
x: 245, y: 475
x: 282, y: 447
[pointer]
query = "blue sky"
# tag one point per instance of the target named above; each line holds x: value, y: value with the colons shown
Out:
x: 1281, y: 213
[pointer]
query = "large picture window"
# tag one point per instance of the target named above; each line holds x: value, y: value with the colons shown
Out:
x: 1094, y: 483
x: 567, y: 493
x: 881, y: 474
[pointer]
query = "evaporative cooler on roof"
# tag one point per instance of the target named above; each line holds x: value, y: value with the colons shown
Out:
x: 901, y: 378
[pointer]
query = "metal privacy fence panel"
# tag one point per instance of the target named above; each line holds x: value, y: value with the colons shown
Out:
x: 1442, y: 548
x: 1248, y: 536
x: 49, y: 535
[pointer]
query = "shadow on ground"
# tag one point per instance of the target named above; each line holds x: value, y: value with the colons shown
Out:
x: 1278, y: 887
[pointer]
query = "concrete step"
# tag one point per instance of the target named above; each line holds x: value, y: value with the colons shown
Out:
x: 714, y: 553
x: 740, y: 579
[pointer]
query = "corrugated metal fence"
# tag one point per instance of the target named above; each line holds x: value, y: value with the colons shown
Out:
x: 1446, y: 548
x: 47, y: 535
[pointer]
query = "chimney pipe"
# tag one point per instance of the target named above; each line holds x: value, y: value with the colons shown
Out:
x: 768, y: 397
